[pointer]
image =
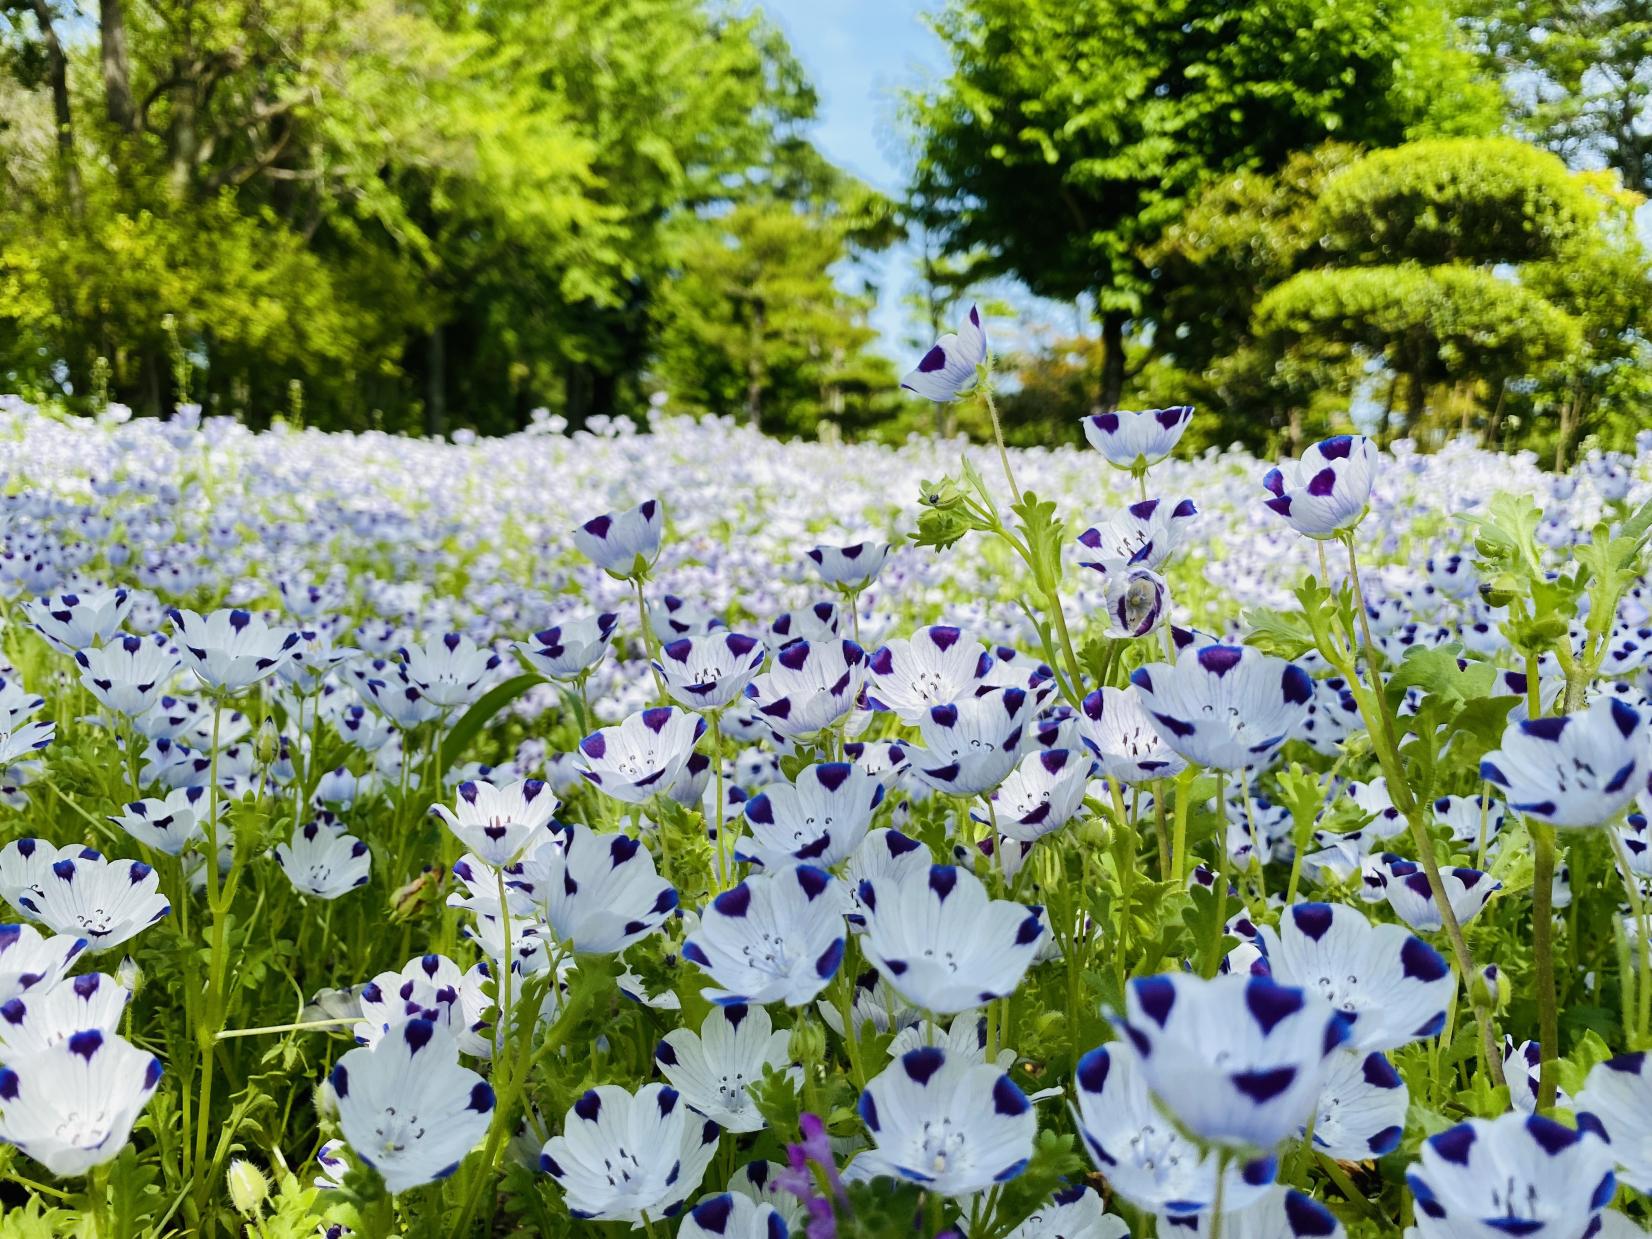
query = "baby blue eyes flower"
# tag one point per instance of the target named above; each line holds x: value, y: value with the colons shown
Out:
x: 1043, y: 793
x: 407, y: 1108
x: 1328, y: 491
x: 497, y: 823
x: 932, y: 667
x: 30, y: 960
x: 1146, y: 535
x: 129, y: 674
x: 598, y: 893
x: 850, y: 568
x: 709, y: 672
x: 1238, y: 1061
x: 75, y: 622
x: 450, y: 670
x: 1137, y: 439
x: 942, y: 942
x: 107, y: 903
x: 1514, y: 1175
x: 715, y: 1068
x: 231, y: 650
x: 623, y: 544
x: 625, y: 1155
x: 955, y: 1127
x: 775, y: 937
x: 71, y: 1106
x: 570, y: 649
x: 949, y: 368
x: 1226, y: 707
x: 321, y: 861
x: 643, y: 756
x: 970, y: 745
x: 729, y: 1215
x: 809, y: 686
x: 1572, y: 770
x: 819, y: 818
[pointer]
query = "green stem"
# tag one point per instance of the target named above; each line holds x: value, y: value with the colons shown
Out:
x: 1543, y: 959
x: 1643, y: 988
x: 998, y: 437
x: 651, y: 643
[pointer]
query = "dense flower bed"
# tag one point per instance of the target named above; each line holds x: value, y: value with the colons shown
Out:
x: 857, y: 844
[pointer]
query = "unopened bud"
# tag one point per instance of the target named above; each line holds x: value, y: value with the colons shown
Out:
x: 248, y: 1188
x: 1489, y: 988
x: 129, y: 975
x: 268, y: 745
x: 808, y: 1043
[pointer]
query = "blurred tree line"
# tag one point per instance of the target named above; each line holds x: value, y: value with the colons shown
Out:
x: 424, y: 213
x: 1408, y: 217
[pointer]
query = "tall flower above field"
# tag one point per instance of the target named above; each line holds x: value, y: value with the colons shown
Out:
x: 949, y: 368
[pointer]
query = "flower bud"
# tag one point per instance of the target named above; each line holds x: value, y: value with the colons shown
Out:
x: 1489, y: 988
x: 248, y: 1188
x: 268, y: 745
x: 808, y: 1043
x: 129, y: 975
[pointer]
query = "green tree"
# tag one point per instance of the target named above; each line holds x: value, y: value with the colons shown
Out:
x: 1067, y: 138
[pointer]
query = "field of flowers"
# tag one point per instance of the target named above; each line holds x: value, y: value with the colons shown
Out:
x: 680, y: 831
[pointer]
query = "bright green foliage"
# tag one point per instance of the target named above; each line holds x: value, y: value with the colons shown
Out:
x: 1067, y: 138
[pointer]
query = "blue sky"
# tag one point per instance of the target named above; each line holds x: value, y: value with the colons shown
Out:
x: 860, y: 54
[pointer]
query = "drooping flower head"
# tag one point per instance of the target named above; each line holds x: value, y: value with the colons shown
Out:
x: 1328, y: 490
x: 1137, y: 439
x: 1226, y: 707
x: 1134, y: 599
x: 948, y: 370
x: 406, y: 1106
x: 1572, y: 770
x: 623, y: 544
x: 1238, y: 1060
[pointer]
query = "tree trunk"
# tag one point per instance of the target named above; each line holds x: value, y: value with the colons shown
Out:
x: 117, y: 70
x: 755, y: 377
x: 435, y: 400
x: 184, y: 140
x: 1293, y: 430
x: 1416, y: 401
x: 1112, y: 360
x: 57, y: 68
x: 1494, y: 423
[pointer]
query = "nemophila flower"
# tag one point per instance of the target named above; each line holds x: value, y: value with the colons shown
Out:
x: 820, y: 817
x: 949, y: 368
x: 407, y: 1108
x: 433, y: 988
x: 1409, y: 894
x: 74, y: 622
x: 1140, y: 1151
x: 25, y: 741
x: 972, y: 744
x: 1373, y: 800
x: 1523, y: 1070
x: 1136, y: 439
x: 1134, y: 599
x: 1328, y: 490
x: 1391, y: 985
x: 106, y: 902
x: 1226, y: 707
x: 129, y: 674
x: 1470, y: 817
x: 322, y: 862
x: 1042, y: 794
x: 932, y: 667
x: 643, y: 756
x: 955, y: 1127
x: 1332, y: 716
x: 568, y: 650
x: 1360, y: 1113
x: 886, y: 854
x: 815, y: 623
x: 1115, y: 727
x: 1237, y: 1060
x: 71, y: 1106
x: 674, y: 617
x: 1618, y: 1092
x: 1514, y: 1175
x: 450, y: 670
x: 29, y: 960
x: 942, y: 941
x: 809, y: 686
x: 708, y: 672
x: 26, y: 863
x: 387, y: 688
x: 1145, y: 535
x: 625, y: 1156
x: 714, y: 1069
x: 1572, y: 770
x: 169, y: 824
x: 729, y: 1215
x: 1074, y: 1212
x: 1284, y: 1213
x: 775, y: 937
x: 17, y: 704
x: 623, y: 544
x: 599, y: 893
x: 497, y: 823
x: 850, y: 568
x: 231, y: 650
x: 46, y: 1015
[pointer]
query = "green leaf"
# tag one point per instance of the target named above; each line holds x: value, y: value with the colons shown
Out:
x: 473, y: 720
